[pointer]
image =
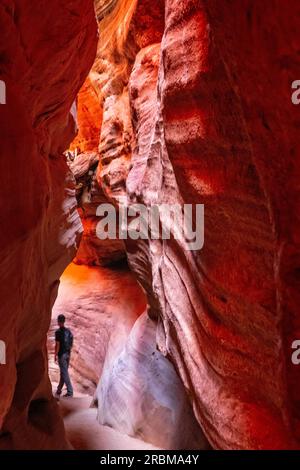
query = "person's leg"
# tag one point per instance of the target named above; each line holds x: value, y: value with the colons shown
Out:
x: 61, y: 380
x: 66, y: 376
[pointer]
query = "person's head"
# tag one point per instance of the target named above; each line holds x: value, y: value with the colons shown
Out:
x: 61, y: 320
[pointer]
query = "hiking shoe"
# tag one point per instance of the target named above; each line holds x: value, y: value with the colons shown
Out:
x: 67, y: 395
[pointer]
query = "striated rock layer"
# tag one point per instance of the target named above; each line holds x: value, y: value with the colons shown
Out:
x: 46, y: 51
x: 212, y: 123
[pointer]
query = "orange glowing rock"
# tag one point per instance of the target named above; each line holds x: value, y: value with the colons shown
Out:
x: 89, y: 118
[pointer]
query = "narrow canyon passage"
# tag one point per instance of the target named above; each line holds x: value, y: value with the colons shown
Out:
x: 101, y: 305
x: 127, y: 104
x: 140, y: 402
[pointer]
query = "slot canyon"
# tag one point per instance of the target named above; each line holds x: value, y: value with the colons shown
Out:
x: 150, y: 102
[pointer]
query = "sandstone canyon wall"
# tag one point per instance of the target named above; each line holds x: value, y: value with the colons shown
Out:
x: 46, y: 52
x: 193, y: 101
x: 210, y: 121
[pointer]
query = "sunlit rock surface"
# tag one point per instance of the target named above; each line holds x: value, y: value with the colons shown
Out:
x: 93, y: 250
x: 89, y: 118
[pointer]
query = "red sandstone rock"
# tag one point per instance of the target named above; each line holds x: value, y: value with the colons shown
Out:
x: 219, y: 128
x: 223, y: 123
x: 46, y: 51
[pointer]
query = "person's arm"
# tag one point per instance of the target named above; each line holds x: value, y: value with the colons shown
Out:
x: 56, y: 350
x: 57, y: 344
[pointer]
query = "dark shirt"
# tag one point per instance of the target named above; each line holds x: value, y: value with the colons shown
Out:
x: 60, y: 338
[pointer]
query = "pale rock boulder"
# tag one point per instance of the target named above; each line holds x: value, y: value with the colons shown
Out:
x: 141, y: 395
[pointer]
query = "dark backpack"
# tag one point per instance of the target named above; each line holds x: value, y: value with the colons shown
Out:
x: 68, y: 340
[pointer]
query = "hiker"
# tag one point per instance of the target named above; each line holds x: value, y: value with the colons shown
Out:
x: 63, y: 346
